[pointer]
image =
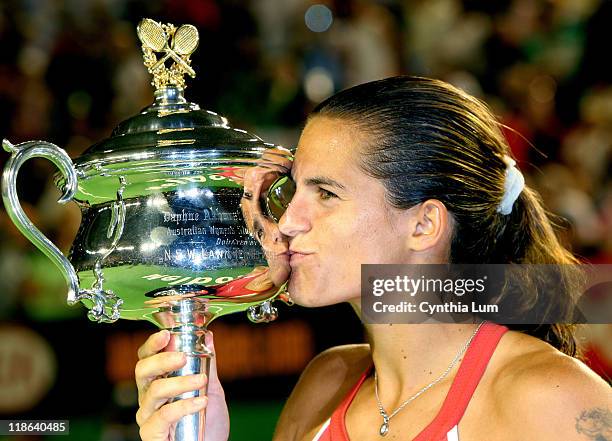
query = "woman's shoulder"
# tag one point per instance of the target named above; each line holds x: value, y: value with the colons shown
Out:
x: 545, y: 394
x: 321, y: 388
x: 338, y: 361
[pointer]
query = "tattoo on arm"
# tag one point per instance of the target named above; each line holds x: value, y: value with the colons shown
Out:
x: 596, y: 424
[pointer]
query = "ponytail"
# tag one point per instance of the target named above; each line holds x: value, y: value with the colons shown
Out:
x: 533, y: 240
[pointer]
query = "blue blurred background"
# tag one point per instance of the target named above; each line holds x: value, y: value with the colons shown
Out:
x: 72, y: 70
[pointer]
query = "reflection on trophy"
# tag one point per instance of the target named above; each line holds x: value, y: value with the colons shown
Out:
x: 174, y: 209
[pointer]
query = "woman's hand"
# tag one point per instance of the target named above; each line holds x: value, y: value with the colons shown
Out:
x: 156, y: 417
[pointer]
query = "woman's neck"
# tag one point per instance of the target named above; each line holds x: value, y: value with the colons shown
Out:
x: 407, y: 357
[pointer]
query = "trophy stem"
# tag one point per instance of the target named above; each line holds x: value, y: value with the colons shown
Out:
x: 186, y: 319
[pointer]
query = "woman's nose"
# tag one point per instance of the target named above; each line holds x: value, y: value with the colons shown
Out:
x: 294, y: 219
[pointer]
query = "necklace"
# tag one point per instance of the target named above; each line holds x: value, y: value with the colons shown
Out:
x: 384, y: 428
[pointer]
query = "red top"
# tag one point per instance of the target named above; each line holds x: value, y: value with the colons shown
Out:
x: 470, y: 372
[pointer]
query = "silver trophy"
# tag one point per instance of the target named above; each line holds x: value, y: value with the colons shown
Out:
x: 168, y: 231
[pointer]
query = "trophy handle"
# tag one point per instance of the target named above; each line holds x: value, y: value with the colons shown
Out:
x: 20, y: 153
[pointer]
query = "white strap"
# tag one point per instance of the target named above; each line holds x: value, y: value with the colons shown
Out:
x: 322, y: 430
x: 453, y: 434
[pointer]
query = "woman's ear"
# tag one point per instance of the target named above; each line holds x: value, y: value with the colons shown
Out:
x: 430, y: 227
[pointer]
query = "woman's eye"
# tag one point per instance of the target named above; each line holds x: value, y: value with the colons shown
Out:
x: 324, y: 194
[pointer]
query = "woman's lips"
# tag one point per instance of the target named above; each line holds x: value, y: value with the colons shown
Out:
x: 296, y: 256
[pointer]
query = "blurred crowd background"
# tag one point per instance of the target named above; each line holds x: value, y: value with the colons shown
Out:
x: 71, y: 70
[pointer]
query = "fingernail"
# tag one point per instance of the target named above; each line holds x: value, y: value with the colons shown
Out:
x: 198, y: 379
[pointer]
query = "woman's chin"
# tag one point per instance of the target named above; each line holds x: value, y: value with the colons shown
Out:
x: 311, y: 295
x: 308, y: 297
x: 295, y: 292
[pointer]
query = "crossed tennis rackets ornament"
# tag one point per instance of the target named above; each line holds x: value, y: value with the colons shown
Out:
x: 176, y: 44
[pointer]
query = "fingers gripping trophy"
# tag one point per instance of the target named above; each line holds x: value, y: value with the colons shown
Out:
x: 168, y: 229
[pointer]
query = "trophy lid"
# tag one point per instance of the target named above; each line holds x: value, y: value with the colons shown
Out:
x: 171, y: 127
x: 172, y: 137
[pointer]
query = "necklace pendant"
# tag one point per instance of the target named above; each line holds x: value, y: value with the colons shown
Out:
x: 384, y: 428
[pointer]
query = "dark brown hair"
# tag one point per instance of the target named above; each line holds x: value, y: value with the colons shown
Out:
x: 430, y: 140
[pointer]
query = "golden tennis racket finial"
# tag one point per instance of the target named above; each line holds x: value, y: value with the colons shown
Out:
x: 176, y: 44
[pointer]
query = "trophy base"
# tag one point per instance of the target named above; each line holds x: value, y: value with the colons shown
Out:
x: 187, y: 319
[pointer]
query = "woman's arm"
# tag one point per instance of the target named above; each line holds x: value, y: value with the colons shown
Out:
x: 553, y: 397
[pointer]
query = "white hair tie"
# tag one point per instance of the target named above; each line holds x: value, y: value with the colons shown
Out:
x: 513, y: 185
